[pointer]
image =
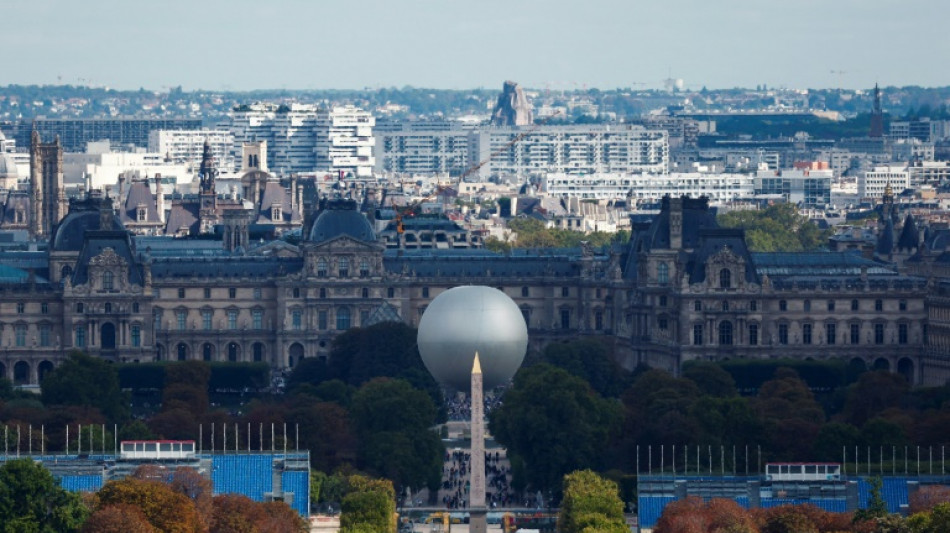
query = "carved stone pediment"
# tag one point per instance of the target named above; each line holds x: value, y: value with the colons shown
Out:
x: 108, y: 258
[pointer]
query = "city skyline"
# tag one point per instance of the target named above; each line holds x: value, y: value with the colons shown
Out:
x: 241, y: 45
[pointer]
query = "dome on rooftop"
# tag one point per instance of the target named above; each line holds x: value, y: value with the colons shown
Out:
x: 83, y: 215
x: 340, y: 217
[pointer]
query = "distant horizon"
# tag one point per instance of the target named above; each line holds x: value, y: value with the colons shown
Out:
x: 166, y: 89
x: 239, y: 45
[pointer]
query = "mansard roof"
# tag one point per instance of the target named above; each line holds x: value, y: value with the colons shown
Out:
x: 227, y: 267
x: 95, y: 243
x: 817, y: 264
x: 696, y: 215
x: 139, y: 194
x: 712, y: 241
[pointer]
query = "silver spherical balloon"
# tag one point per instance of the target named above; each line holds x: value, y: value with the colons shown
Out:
x: 463, y: 320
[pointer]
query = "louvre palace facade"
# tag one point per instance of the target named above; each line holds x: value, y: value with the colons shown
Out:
x: 682, y: 289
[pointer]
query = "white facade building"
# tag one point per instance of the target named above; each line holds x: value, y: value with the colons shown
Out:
x: 303, y: 138
x: 571, y: 149
x: 344, y: 141
x: 421, y: 147
x: 185, y: 147
x: 871, y: 184
x: 718, y: 187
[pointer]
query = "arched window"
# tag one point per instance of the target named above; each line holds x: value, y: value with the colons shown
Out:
x: 364, y: 268
x: 725, y: 333
x: 344, y: 267
x: 107, y: 280
x: 66, y: 271
x: 321, y: 268
x: 343, y: 318
x: 663, y: 274
x: 725, y: 278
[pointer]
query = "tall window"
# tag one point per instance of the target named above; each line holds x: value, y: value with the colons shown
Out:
x: 364, y: 268
x: 207, y: 292
x: 855, y: 334
x: 232, y: 318
x: 181, y: 318
x: 344, y: 267
x: 136, y: 336
x: 854, y: 305
x: 725, y: 278
x: 232, y: 293
x: 321, y: 268
x: 181, y: 293
x: 257, y: 318
x: 753, y: 334
x: 296, y: 319
x: 806, y: 333
x: 20, y: 308
x: 831, y: 305
x: 878, y: 333
x: 206, y: 315
x: 725, y: 333
x: 425, y: 292
x: 599, y: 320
x: 902, y: 305
x: 107, y: 279
x: 783, y: 333
x: 44, y: 334
x: 524, y: 292
x: 878, y: 305
x: 44, y: 308
x: 902, y: 334
x: 565, y: 292
x: 663, y: 274
x: 830, y: 333
x: 697, y: 305
x: 565, y: 319
x: 157, y: 319
x: 806, y: 305
x: 20, y: 334
x: 322, y: 320
x: 390, y: 292
x: 697, y: 334
x: 343, y: 318
x: 80, y: 336
x: 782, y: 305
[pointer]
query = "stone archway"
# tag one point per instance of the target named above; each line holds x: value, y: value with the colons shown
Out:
x: 107, y: 336
x: 258, y: 350
x: 181, y: 351
x: 234, y: 352
x: 207, y: 352
x: 21, y: 373
x: 294, y: 354
x: 44, y: 369
x: 905, y: 367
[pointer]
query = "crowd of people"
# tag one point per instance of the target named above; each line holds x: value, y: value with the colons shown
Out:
x: 498, y: 494
x: 459, y: 409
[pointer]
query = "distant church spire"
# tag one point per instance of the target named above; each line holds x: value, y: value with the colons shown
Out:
x: 877, y: 115
x: 207, y: 172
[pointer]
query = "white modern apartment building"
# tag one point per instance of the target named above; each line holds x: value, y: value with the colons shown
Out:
x: 871, y: 184
x: 604, y: 186
x: 344, y: 141
x: 185, y: 147
x: 421, y: 147
x: 305, y: 138
x: 526, y: 151
x: 288, y: 129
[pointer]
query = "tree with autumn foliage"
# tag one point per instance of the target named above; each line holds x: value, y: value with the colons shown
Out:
x: 166, y: 510
x: 590, y: 503
x: 118, y: 518
x: 691, y: 515
x: 234, y: 513
x: 926, y: 498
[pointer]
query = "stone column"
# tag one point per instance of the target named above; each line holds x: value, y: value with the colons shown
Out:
x: 476, y: 497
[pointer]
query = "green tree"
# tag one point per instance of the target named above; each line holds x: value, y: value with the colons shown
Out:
x: 657, y: 409
x: 711, y: 379
x: 874, y: 393
x: 590, y: 503
x: 554, y: 423
x: 791, y: 414
x: 369, y: 505
x: 832, y: 438
x: 393, y: 421
x: 778, y: 228
x: 877, y: 507
x: 32, y: 501
x: 86, y: 381
x: 591, y: 360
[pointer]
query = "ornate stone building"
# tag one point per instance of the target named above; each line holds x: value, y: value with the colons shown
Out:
x: 682, y: 289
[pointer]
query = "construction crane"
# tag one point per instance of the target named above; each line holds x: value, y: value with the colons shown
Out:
x: 410, y: 210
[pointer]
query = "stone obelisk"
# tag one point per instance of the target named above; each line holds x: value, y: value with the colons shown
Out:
x: 476, y: 496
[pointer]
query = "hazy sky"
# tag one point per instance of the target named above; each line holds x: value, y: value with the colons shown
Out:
x: 306, y: 44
